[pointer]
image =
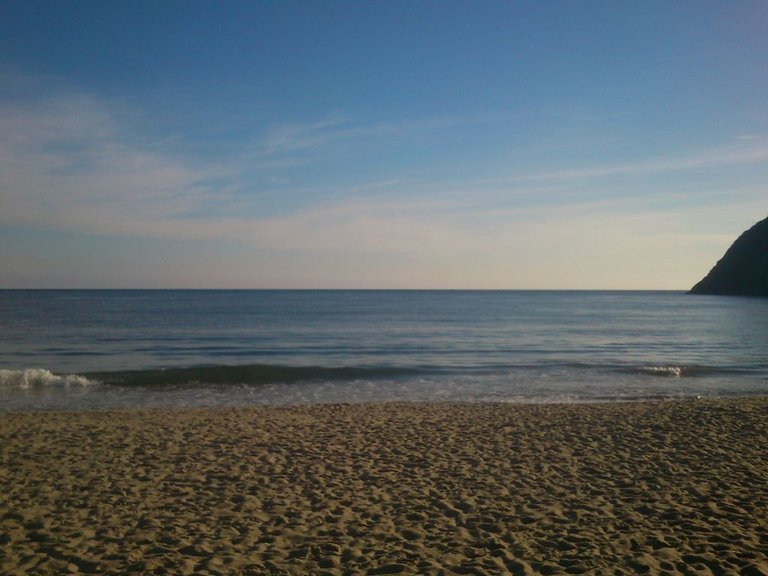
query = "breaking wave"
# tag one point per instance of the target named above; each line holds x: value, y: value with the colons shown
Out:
x: 259, y: 374
x: 40, y: 378
x: 253, y: 374
x: 679, y: 371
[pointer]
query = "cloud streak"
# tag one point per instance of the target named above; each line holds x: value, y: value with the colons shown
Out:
x: 67, y: 164
x: 719, y: 158
x: 64, y: 158
x: 297, y: 143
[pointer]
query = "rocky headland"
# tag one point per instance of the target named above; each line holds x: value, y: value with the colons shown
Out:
x: 743, y: 270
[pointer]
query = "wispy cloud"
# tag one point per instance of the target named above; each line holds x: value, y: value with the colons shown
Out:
x: 408, y: 245
x: 291, y: 139
x: 718, y: 158
x: 63, y: 157
x: 66, y: 163
x: 301, y: 136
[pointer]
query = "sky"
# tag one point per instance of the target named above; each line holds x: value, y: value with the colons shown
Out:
x: 398, y: 144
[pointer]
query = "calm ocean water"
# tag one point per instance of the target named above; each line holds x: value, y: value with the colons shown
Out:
x: 110, y: 349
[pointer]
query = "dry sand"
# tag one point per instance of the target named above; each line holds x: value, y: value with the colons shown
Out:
x: 657, y: 488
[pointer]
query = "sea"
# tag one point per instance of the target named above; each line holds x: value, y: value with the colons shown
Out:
x: 116, y: 349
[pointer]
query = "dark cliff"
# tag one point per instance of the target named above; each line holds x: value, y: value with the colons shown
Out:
x: 743, y: 270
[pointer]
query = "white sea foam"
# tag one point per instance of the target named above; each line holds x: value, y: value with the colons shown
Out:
x: 673, y: 371
x: 39, y: 378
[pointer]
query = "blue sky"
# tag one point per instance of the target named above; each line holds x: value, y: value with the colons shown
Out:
x: 379, y: 144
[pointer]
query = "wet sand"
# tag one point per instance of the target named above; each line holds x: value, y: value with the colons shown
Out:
x: 654, y: 488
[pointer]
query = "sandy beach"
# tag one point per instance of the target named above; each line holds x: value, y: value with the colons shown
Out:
x: 655, y: 488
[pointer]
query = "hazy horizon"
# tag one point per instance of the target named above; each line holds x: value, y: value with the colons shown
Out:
x: 182, y: 289
x: 361, y: 145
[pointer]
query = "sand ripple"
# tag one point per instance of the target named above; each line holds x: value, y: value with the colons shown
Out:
x: 649, y: 488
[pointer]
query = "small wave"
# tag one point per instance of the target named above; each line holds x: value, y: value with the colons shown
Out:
x: 40, y: 378
x: 676, y: 371
x: 253, y: 374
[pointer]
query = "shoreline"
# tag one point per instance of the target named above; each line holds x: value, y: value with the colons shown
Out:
x: 676, y: 486
x: 217, y: 406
